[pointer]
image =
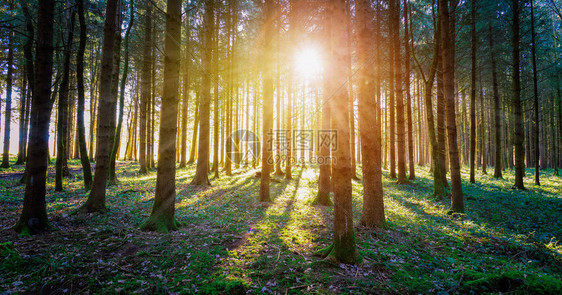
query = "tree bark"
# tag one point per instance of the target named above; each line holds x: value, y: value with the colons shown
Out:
x: 201, y: 173
x: 516, y: 104
x: 408, y: 92
x: 145, y: 90
x: 267, y: 159
x: 535, y: 96
x: 447, y: 45
x: 473, y: 47
x: 162, y: 217
x: 8, y: 112
x: 369, y: 84
x: 106, y: 109
x: 61, y: 166
x: 117, y: 138
x: 33, y: 216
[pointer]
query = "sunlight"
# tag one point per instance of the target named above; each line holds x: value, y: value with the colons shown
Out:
x: 308, y: 62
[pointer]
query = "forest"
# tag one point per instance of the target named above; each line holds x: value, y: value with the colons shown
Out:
x: 281, y: 147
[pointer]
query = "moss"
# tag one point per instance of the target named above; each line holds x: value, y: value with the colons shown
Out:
x: 323, y: 199
x: 161, y: 223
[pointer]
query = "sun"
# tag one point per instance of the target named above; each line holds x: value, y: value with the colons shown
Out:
x: 308, y: 62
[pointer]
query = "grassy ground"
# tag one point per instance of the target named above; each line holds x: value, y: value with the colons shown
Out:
x: 508, y: 241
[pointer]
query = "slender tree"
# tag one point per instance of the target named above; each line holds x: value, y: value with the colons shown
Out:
x: 162, y: 217
x: 373, y: 203
x: 516, y: 103
x: 9, y: 81
x: 267, y: 158
x: 145, y: 90
x: 106, y: 109
x: 84, y: 159
x: 535, y: 96
x: 61, y: 166
x: 447, y: 47
x: 201, y: 173
x: 117, y: 138
x: 473, y: 47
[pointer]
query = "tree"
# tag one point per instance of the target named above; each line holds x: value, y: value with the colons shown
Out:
x: 33, y: 216
x: 343, y: 248
x: 201, y: 173
x: 145, y: 90
x: 369, y: 84
x: 185, y: 95
x: 162, y: 217
x: 61, y: 168
x: 447, y: 44
x: 516, y: 103
x: 86, y: 169
x: 535, y: 96
x: 106, y: 109
x: 408, y: 92
x: 8, y: 113
x: 497, y: 109
x: 473, y: 47
x: 267, y: 159
x: 117, y: 137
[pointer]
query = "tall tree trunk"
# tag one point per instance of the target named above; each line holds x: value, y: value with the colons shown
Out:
x: 201, y: 173
x: 185, y: 94
x: 8, y: 112
x: 195, y: 129
x: 61, y: 166
x: 473, y: 47
x: 497, y: 110
x: 162, y: 217
x: 536, y: 95
x: 408, y: 92
x: 441, y: 124
x: 369, y: 83
x: 33, y: 216
x: 323, y: 195
x: 216, y: 105
x: 106, y: 109
x: 516, y: 104
x: 145, y: 90
x: 22, y: 128
x: 267, y: 159
x: 343, y: 248
x: 447, y: 44
x: 117, y: 139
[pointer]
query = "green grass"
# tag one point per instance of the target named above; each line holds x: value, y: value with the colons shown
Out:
x: 508, y: 240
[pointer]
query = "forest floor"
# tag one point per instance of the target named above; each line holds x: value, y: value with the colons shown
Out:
x: 508, y: 240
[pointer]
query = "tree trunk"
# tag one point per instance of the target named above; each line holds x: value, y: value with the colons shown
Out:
x: 8, y: 112
x: 145, y: 90
x: 61, y: 166
x: 106, y: 109
x: 369, y: 83
x: 162, y: 217
x: 323, y: 195
x: 201, y: 173
x: 195, y: 129
x: 267, y: 159
x: 33, y: 216
x: 447, y: 44
x: 473, y: 91
x: 344, y: 249
x: 536, y: 96
x: 185, y: 93
x: 117, y: 139
x: 408, y: 92
x: 516, y: 104
x: 216, y: 105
